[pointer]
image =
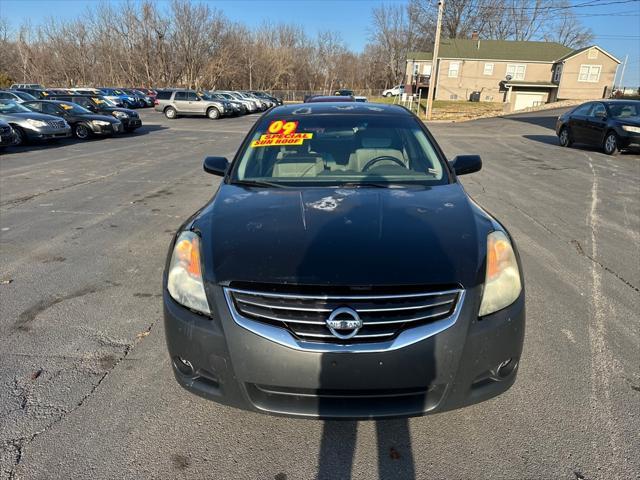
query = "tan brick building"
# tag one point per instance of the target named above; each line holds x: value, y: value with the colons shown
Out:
x: 522, y: 74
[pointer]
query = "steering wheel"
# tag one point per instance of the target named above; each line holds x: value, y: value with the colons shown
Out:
x: 381, y: 158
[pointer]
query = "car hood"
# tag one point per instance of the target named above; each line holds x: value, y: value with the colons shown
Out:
x: 633, y: 121
x: 16, y: 117
x: 93, y: 116
x: 356, y: 237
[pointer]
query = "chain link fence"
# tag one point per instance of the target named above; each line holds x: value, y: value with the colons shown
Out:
x: 299, y: 95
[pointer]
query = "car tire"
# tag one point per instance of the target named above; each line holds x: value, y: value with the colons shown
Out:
x: 213, y: 113
x: 387, y: 95
x: 610, y: 144
x: 20, y: 138
x: 564, y: 137
x: 81, y: 131
x: 170, y: 113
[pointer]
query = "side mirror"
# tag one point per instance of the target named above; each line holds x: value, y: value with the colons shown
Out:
x: 216, y: 165
x: 464, y: 164
x: 601, y: 115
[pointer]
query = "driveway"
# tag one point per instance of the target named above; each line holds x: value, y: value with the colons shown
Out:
x: 86, y: 389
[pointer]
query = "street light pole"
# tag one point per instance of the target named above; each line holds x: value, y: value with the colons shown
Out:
x: 434, y: 61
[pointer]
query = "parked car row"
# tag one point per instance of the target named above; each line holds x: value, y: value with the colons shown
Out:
x: 121, y: 97
x: 61, y: 116
x: 213, y: 104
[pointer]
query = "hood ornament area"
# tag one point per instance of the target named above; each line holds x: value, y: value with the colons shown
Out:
x: 344, y: 323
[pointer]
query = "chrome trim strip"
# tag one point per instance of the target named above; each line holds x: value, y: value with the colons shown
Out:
x: 412, y: 307
x: 282, y: 307
x: 365, y: 310
x: 323, y: 335
x: 334, y: 297
x: 278, y: 319
x: 405, y: 320
x: 405, y: 338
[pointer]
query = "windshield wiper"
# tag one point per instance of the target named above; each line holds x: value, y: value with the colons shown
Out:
x: 258, y: 183
x: 370, y: 185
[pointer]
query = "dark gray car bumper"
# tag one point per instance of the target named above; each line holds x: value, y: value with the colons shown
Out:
x: 454, y: 368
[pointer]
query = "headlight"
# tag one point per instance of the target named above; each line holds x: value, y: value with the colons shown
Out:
x: 101, y: 123
x: 184, y: 281
x: 502, y: 282
x: 36, y: 123
x: 118, y: 114
x: 629, y: 128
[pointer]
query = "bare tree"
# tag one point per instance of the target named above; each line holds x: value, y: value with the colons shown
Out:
x: 394, y: 31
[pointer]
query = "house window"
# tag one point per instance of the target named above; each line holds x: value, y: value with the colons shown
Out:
x: 426, y: 70
x: 488, y: 69
x: 557, y: 74
x: 593, y: 54
x: 589, y: 73
x: 516, y: 71
x: 454, y: 69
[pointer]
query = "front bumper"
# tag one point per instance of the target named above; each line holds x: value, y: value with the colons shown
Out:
x: 131, y: 123
x: 7, y: 139
x: 110, y: 129
x: 627, y: 139
x: 46, y: 133
x: 454, y: 368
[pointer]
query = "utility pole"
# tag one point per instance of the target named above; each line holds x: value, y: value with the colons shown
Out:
x: 434, y: 61
x: 624, y: 66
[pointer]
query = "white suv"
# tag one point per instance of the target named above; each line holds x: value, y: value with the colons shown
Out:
x: 394, y: 91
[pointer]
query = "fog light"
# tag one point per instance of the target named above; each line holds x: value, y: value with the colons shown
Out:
x: 506, y: 368
x: 183, y: 366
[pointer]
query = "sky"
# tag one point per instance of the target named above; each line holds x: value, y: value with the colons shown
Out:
x: 616, y: 23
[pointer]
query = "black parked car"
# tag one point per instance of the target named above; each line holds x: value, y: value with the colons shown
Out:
x: 102, y: 106
x: 341, y: 271
x: 35, y: 92
x: 263, y: 95
x: 84, y: 123
x: 612, y: 125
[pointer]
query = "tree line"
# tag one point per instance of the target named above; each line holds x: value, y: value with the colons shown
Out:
x: 191, y: 44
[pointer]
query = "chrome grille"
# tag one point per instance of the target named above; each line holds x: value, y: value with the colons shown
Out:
x: 55, y: 123
x: 304, y: 315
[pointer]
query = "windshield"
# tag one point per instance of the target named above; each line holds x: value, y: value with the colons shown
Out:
x: 340, y: 149
x: 25, y: 96
x: 624, y: 109
x: 12, y: 107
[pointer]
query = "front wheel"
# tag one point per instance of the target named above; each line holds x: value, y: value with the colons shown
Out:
x: 565, y: 137
x: 81, y: 131
x: 387, y: 95
x: 19, y: 137
x: 213, y: 113
x: 170, y: 113
x: 610, y: 145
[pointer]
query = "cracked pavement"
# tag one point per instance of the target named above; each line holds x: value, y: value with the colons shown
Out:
x: 86, y: 389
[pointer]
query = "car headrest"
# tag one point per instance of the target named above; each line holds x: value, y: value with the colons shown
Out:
x: 375, y: 142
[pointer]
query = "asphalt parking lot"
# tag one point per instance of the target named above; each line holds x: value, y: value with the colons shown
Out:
x: 86, y: 388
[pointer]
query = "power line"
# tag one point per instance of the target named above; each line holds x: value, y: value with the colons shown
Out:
x: 549, y: 8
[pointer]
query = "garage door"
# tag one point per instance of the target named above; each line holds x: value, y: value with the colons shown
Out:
x: 528, y: 99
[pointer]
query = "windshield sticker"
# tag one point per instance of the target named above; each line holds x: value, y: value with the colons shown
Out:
x: 66, y: 107
x: 281, y: 133
x: 98, y: 100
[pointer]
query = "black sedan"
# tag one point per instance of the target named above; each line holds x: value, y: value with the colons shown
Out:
x: 611, y: 125
x: 102, y: 106
x: 83, y: 122
x: 341, y: 271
